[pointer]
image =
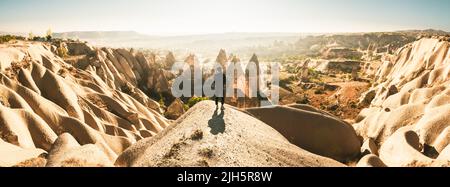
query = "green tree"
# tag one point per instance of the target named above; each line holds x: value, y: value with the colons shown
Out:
x: 30, y: 36
x: 49, y: 34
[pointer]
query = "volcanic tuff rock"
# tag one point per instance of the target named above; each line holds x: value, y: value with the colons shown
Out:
x: 412, y: 90
x: 43, y: 97
x: 175, y: 110
x: 312, y: 130
x: 205, y: 136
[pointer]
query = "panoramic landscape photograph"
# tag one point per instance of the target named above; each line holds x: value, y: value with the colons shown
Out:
x: 224, y: 83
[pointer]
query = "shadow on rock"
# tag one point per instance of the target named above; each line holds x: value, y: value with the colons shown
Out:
x: 216, y: 123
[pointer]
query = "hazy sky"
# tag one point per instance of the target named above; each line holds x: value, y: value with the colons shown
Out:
x: 215, y: 16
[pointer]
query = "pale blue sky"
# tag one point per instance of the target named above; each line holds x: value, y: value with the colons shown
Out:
x: 216, y: 16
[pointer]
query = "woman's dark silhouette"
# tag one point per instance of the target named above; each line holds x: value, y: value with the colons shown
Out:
x: 220, y: 87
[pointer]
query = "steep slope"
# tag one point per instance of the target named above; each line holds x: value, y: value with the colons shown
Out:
x: 312, y: 130
x: 11, y: 154
x: 206, y: 136
x: 411, y: 90
x: 67, y: 152
x: 42, y: 96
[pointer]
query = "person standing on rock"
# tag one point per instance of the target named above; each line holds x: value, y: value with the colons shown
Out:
x: 220, y: 88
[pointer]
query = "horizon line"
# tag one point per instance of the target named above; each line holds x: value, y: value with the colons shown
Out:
x: 174, y: 34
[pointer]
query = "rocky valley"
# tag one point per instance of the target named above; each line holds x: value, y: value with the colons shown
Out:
x: 68, y: 103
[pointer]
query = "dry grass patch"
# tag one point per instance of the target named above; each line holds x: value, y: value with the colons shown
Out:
x: 206, y: 152
x: 32, y: 162
x: 197, y: 135
x: 74, y: 162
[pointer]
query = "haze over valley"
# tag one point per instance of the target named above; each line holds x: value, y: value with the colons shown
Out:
x: 355, y: 87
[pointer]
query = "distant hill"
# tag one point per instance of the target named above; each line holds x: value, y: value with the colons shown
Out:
x: 98, y: 34
x: 207, y: 44
x: 425, y: 32
x: 14, y: 33
x: 265, y: 44
x: 357, y: 40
